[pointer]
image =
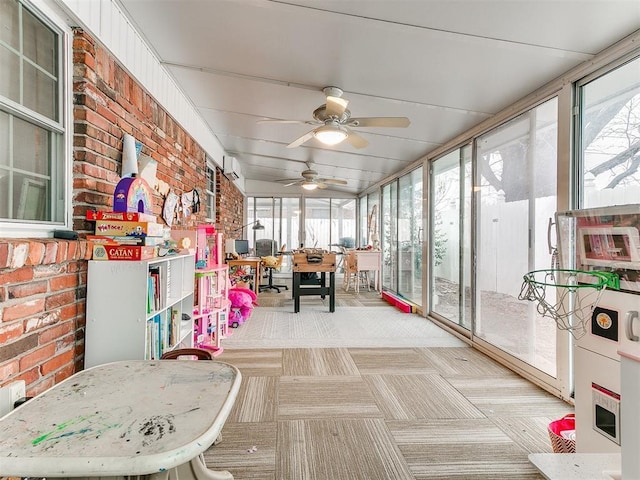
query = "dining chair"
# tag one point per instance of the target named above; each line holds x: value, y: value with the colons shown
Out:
x: 187, y: 353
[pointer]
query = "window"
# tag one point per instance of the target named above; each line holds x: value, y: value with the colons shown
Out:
x: 210, y: 192
x: 610, y: 137
x: 32, y: 132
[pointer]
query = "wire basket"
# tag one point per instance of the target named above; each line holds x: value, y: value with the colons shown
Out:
x: 559, y: 443
x: 571, y: 303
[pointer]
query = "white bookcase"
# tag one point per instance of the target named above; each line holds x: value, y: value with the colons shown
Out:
x: 135, y: 309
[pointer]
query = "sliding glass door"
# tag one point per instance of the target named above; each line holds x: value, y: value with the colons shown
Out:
x: 402, y: 236
x: 450, y: 243
x: 516, y: 195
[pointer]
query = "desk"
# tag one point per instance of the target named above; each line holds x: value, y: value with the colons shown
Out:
x: 124, y: 418
x: 255, y: 263
x: 366, y: 261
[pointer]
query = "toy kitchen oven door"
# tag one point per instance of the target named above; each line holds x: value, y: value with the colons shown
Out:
x: 607, y: 397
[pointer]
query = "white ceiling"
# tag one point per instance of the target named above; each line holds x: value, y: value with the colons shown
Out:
x: 447, y: 65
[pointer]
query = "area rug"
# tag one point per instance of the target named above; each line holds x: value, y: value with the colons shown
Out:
x: 314, y: 326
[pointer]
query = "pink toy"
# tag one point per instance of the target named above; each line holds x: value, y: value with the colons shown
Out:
x: 242, y: 302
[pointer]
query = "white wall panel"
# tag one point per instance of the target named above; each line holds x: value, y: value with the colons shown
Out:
x: 107, y: 23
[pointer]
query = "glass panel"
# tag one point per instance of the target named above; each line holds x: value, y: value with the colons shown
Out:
x: 42, y: 96
x: 39, y: 42
x: 450, y: 237
x: 389, y: 237
x: 363, y: 238
x: 373, y: 204
x: 9, y: 74
x: 467, y: 193
x: 4, y: 139
x: 445, y: 237
x: 31, y: 147
x: 410, y: 236
x: 264, y: 213
x: 9, y: 23
x: 517, y: 197
x: 29, y: 199
x: 610, y: 138
x: 343, y: 223
x: 290, y: 229
x: 317, y: 227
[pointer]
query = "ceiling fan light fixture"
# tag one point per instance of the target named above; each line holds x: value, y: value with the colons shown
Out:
x: 309, y: 185
x: 330, y: 135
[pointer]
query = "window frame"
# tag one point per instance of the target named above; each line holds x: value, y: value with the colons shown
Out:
x: 62, y: 164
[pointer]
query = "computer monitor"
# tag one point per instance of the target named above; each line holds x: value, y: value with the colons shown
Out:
x: 242, y: 247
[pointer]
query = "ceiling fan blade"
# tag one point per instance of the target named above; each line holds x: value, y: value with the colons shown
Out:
x: 336, y: 106
x: 356, y: 140
x: 379, y: 122
x: 321, y: 185
x: 301, y: 140
x: 332, y: 181
x: 282, y: 121
x: 287, y: 180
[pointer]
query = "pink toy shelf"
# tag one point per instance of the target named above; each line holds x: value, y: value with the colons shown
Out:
x: 211, y: 312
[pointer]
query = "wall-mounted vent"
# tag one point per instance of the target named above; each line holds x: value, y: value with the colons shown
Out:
x: 231, y: 168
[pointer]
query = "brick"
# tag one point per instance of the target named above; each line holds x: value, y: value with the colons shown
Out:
x: 23, y: 309
x: 57, y: 362
x: 69, y: 312
x: 8, y: 369
x: 55, y: 332
x: 37, y: 356
x: 71, y: 252
x: 58, y: 299
x: 64, y: 282
x: 36, y: 253
x: 20, y: 275
x: 50, y: 270
x: 13, y: 350
x: 63, y: 247
x: 27, y: 289
x: 36, y: 323
x: 4, y: 254
x: 10, y: 332
x: 65, y: 372
x: 50, y: 253
x: 19, y: 255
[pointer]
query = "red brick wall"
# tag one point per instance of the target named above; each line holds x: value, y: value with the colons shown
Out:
x: 229, y: 206
x: 42, y: 310
x: 43, y: 281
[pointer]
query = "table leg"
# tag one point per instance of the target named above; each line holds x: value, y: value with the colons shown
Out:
x: 296, y: 292
x: 332, y: 292
x: 196, y: 469
x: 323, y: 282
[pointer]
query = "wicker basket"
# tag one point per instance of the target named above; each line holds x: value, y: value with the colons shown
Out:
x: 555, y: 429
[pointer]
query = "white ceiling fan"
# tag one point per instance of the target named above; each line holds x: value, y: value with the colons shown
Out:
x: 335, y: 122
x: 309, y: 179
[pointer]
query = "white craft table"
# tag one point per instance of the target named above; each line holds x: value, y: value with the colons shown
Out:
x: 151, y: 418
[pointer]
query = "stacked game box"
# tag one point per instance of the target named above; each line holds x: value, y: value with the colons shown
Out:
x: 125, y: 235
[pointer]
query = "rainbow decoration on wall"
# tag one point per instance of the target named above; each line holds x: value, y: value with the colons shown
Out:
x: 132, y: 194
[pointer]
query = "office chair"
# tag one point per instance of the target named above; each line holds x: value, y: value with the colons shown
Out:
x: 270, y: 267
x: 265, y: 247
